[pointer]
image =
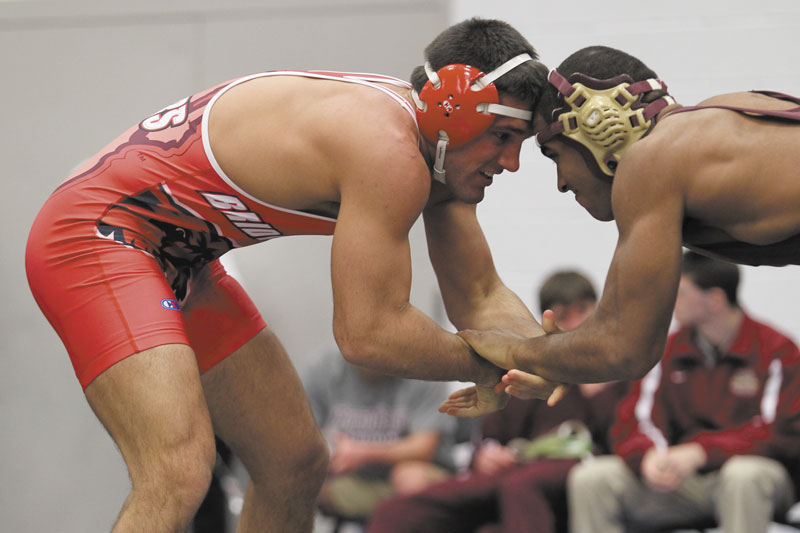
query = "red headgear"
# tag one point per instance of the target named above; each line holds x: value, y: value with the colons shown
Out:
x: 459, y: 102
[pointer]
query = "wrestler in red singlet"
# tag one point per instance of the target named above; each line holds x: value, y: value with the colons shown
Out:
x: 123, y: 255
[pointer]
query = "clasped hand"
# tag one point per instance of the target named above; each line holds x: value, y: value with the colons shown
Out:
x: 665, y: 470
x: 496, y: 346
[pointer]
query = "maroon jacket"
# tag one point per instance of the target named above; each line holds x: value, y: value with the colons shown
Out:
x: 747, y: 403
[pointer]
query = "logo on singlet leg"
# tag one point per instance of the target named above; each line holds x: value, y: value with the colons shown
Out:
x: 169, y: 303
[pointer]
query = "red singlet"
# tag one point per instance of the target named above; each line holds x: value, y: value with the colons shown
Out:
x: 124, y: 254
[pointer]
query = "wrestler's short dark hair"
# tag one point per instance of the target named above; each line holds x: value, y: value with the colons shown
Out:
x: 599, y: 62
x: 566, y: 287
x: 708, y: 273
x: 486, y: 44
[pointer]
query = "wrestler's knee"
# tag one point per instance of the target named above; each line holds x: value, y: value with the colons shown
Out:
x: 177, y: 473
x: 300, y: 471
x: 311, y: 463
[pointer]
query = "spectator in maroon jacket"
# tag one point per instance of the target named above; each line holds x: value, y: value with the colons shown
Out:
x: 503, y: 491
x: 711, y: 434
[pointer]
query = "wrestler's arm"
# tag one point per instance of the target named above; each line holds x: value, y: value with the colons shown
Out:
x: 383, y: 192
x: 625, y: 336
x: 474, y: 295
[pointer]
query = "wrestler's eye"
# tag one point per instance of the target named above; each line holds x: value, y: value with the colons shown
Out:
x: 502, y: 136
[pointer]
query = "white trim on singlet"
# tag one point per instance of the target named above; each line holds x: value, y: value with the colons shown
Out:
x: 368, y: 80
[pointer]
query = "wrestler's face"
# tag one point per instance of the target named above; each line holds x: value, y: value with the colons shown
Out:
x: 471, y: 168
x: 591, y: 189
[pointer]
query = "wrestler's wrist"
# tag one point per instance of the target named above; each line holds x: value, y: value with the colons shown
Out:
x: 519, y: 354
x: 476, y: 369
x: 488, y: 374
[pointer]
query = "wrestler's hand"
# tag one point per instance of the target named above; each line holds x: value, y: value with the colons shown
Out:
x: 549, y: 322
x: 530, y: 386
x: 527, y: 386
x: 496, y: 346
x: 475, y: 401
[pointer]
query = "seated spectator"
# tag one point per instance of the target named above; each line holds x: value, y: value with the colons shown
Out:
x: 385, y: 434
x: 517, y: 481
x: 711, y: 434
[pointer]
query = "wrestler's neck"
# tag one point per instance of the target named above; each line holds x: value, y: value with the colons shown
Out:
x: 439, y: 192
x: 426, y: 148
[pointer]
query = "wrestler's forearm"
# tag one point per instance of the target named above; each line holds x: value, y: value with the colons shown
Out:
x: 585, y: 355
x: 499, y: 309
x: 407, y: 343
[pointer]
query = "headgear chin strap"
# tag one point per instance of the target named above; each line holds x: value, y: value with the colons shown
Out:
x: 605, y: 116
x: 458, y: 103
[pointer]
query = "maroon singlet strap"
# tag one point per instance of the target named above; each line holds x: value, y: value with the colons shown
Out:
x: 789, y: 114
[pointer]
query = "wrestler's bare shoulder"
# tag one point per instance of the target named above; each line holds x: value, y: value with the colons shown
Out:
x: 290, y: 140
x: 748, y: 99
x: 291, y: 103
x: 713, y: 135
x: 735, y: 172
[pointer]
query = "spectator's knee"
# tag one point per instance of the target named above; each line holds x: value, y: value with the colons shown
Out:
x: 749, y: 473
x: 593, y: 475
x: 741, y: 469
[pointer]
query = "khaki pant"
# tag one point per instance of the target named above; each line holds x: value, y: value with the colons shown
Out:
x: 743, y: 496
x: 352, y: 496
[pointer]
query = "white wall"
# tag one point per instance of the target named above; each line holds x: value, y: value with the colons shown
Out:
x: 700, y: 48
x: 76, y: 74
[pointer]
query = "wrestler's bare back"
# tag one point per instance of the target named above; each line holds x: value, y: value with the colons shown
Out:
x: 737, y: 174
x: 291, y: 141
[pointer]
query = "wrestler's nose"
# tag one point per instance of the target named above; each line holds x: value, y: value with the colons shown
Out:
x: 509, y: 158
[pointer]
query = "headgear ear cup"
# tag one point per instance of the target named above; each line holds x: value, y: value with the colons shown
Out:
x: 458, y: 103
x: 452, y: 107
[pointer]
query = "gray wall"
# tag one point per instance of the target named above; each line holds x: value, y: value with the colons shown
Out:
x: 73, y: 78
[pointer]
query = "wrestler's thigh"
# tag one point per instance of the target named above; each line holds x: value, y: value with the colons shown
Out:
x: 258, y: 405
x: 152, y: 404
